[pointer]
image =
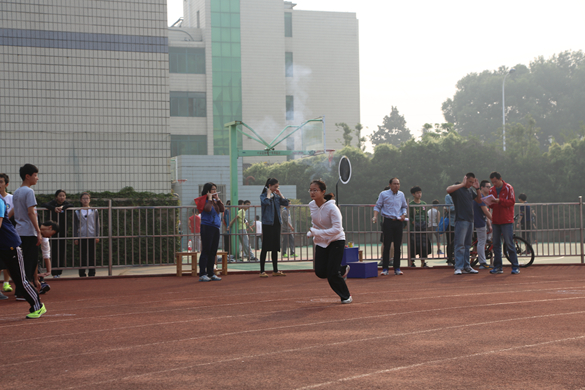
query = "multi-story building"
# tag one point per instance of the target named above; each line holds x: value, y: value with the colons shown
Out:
x: 84, y: 93
x: 262, y: 62
x: 99, y: 94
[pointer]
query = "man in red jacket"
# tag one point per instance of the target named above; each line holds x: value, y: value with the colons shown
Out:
x: 503, y: 222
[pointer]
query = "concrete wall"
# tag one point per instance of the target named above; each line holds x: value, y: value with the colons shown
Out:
x: 325, y: 51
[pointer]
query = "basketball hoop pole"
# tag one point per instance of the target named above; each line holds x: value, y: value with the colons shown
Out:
x: 268, y: 151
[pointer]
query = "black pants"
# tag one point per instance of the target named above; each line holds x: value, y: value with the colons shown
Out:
x: 274, y: 255
x: 30, y: 257
x: 328, y: 266
x: 209, y: 243
x: 14, y: 261
x: 450, y: 236
x: 87, y: 255
x: 57, y: 254
x: 419, y: 245
x: 392, y: 231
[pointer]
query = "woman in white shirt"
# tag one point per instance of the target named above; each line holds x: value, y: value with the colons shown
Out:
x: 86, y: 225
x: 329, y: 238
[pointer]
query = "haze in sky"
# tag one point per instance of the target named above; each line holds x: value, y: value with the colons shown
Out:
x: 412, y: 53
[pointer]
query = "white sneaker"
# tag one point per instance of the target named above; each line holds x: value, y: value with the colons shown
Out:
x: 348, y: 300
x: 205, y: 278
x: 384, y: 273
x: 470, y: 271
x: 457, y: 272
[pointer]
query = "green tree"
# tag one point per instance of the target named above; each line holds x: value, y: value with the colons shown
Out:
x: 551, y: 90
x: 438, y: 159
x: 346, y: 133
x: 521, y: 140
x: 361, y: 144
x: 393, y: 131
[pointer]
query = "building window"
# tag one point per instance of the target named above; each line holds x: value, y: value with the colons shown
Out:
x: 187, y: 60
x: 188, y: 104
x: 182, y: 145
x: 290, y: 108
x: 288, y: 64
x: 288, y: 24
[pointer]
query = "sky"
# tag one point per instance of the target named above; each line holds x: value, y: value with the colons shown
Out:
x: 412, y: 53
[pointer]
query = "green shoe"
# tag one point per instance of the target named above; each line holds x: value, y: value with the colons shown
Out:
x: 38, y: 313
x: 285, y: 255
x: 7, y: 287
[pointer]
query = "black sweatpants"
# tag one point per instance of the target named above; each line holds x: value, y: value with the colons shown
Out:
x: 328, y: 266
x: 14, y: 261
x: 30, y: 258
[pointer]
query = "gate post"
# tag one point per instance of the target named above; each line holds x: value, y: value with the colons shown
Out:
x: 110, y: 239
x: 581, y: 228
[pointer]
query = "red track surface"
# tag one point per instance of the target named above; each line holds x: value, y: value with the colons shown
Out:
x: 426, y: 329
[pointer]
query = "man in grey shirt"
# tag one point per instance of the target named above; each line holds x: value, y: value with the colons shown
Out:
x: 27, y: 226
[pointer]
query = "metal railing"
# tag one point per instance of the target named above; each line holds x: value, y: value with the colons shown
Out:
x: 150, y: 236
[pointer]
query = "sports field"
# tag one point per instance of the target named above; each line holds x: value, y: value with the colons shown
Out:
x: 425, y: 329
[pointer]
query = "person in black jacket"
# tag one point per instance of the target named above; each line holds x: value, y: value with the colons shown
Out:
x: 57, y: 208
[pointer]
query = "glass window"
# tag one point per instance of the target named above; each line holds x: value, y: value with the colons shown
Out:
x: 226, y: 34
x: 290, y: 108
x: 188, y: 145
x: 192, y: 104
x: 215, y: 18
x: 288, y: 24
x: 186, y: 60
x: 215, y: 6
x: 225, y: 5
x: 235, y: 6
x: 226, y: 20
x: 288, y: 64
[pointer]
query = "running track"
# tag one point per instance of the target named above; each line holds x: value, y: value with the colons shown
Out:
x: 426, y: 329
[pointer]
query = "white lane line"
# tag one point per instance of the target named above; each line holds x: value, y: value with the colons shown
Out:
x: 491, y: 293
x: 412, y: 287
x: 439, y: 361
x: 249, y: 331
x: 343, y: 343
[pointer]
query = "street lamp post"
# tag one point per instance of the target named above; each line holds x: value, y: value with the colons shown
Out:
x: 504, y: 108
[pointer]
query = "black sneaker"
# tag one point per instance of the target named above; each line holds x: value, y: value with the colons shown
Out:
x: 44, y: 288
x: 19, y: 298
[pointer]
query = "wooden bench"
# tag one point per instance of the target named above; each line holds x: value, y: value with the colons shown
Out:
x: 179, y: 261
x: 224, y: 262
x: 193, y: 255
